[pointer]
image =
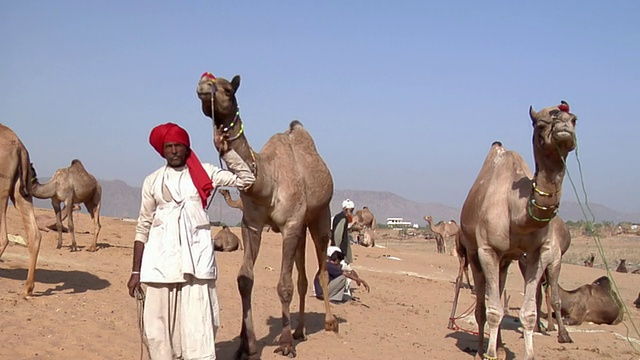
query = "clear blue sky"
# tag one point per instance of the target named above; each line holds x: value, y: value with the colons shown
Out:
x: 402, y: 96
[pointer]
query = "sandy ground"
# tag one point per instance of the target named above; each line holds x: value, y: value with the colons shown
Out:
x: 81, y: 309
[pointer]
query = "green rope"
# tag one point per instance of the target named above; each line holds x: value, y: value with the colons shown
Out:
x: 590, y: 219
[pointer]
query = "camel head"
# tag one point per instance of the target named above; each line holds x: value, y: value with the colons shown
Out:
x: 218, y: 97
x: 428, y: 219
x: 553, y: 131
x: 33, y: 176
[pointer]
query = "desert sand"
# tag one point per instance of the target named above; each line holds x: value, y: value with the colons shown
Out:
x: 81, y: 308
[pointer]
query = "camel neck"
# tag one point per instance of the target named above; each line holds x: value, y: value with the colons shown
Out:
x: 546, y: 191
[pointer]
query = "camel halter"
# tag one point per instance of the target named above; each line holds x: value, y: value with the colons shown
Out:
x: 532, y: 203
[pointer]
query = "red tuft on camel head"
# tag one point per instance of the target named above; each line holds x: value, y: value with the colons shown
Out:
x: 208, y: 75
x: 564, y: 106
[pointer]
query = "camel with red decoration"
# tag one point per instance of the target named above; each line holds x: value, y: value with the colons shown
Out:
x: 507, y: 214
x: 14, y: 185
x: 291, y: 194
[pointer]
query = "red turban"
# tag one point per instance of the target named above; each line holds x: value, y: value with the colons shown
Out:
x: 171, y: 132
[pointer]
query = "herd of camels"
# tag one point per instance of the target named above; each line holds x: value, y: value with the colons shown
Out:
x: 510, y: 214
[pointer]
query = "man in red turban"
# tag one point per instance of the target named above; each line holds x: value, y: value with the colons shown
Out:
x: 172, y: 133
x: 173, y: 252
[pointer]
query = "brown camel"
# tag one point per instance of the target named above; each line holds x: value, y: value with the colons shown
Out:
x: 622, y: 267
x: 364, y: 222
x: 14, y: 185
x: 71, y: 185
x: 236, y: 204
x: 507, y: 214
x: 226, y: 241
x: 637, y: 302
x: 589, y: 261
x: 291, y: 194
x: 445, y: 229
x: 596, y: 302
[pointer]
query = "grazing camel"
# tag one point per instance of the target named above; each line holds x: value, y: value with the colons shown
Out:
x: 365, y: 222
x: 507, y: 214
x: 236, y: 204
x: 71, y: 185
x: 622, y: 267
x: 14, y: 185
x: 445, y: 229
x: 596, y: 302
x: 291, y: 194
x: 226, y: 241
x: 589, y: 261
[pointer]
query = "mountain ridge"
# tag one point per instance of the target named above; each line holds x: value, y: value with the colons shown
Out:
x: 121, y: 200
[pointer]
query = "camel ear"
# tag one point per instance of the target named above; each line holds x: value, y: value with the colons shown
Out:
x: 533, y: 114
x: 235, y: 83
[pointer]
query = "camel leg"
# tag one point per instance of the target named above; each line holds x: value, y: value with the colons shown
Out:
x: 58, y: 212
x: 251, y: 238
x: 68, y: 210
x: 480, y: 310
x: 536, y: 264
x: 553, y: 273
x: 495, y: 311
x: 292, y: 235
x: 4, y: 238
x: 303, y: 284
x: 320, y: 234
x: 547, y: 300
x: 94, y: 210
x: 461, y: 270
x: 25, y: 208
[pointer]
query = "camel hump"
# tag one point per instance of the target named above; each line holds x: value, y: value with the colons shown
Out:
x: 294, y: 124
x: 76, y: 162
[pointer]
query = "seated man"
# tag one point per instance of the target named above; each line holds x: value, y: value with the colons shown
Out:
x: 340, y: 275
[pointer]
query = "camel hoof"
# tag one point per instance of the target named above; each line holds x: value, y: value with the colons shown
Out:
x: 332, y: 325
x: 59, y: 246
x: 564, y: 338
x: 299, y: 335
x: 92, y: 249
x: 286, y: 350
x: 241, y: 355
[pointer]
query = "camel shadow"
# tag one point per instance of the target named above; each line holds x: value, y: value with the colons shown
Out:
x: 74, y: 280
x: 314, y: 323
x: 468, y: 342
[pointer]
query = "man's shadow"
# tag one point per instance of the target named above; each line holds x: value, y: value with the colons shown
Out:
x: 74, y: 280
x: 313, y: 321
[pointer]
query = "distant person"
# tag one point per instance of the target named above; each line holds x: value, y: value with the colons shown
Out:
x: 173, y: 253
x: 340, y: 277
x: 340, y: 229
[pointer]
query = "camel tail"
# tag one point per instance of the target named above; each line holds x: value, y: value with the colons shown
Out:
x: 23, y: 171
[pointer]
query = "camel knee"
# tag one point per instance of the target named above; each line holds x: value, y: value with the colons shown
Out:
x: 528, y: 318
x: 245, y: 285
x: 494, y: 316
x: 285, y: 291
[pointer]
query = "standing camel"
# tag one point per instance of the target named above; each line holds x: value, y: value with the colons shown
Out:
x: 236, y: 204
x: 291, y: 194
x: 443, y: 230
x: 71, y: 185
x: 14, y: 181
x: 507, y: 214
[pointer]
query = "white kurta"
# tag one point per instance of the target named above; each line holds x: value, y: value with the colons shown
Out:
x: 178, y: 264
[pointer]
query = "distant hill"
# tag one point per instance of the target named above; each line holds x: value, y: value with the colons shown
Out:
x: 123, y: 201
